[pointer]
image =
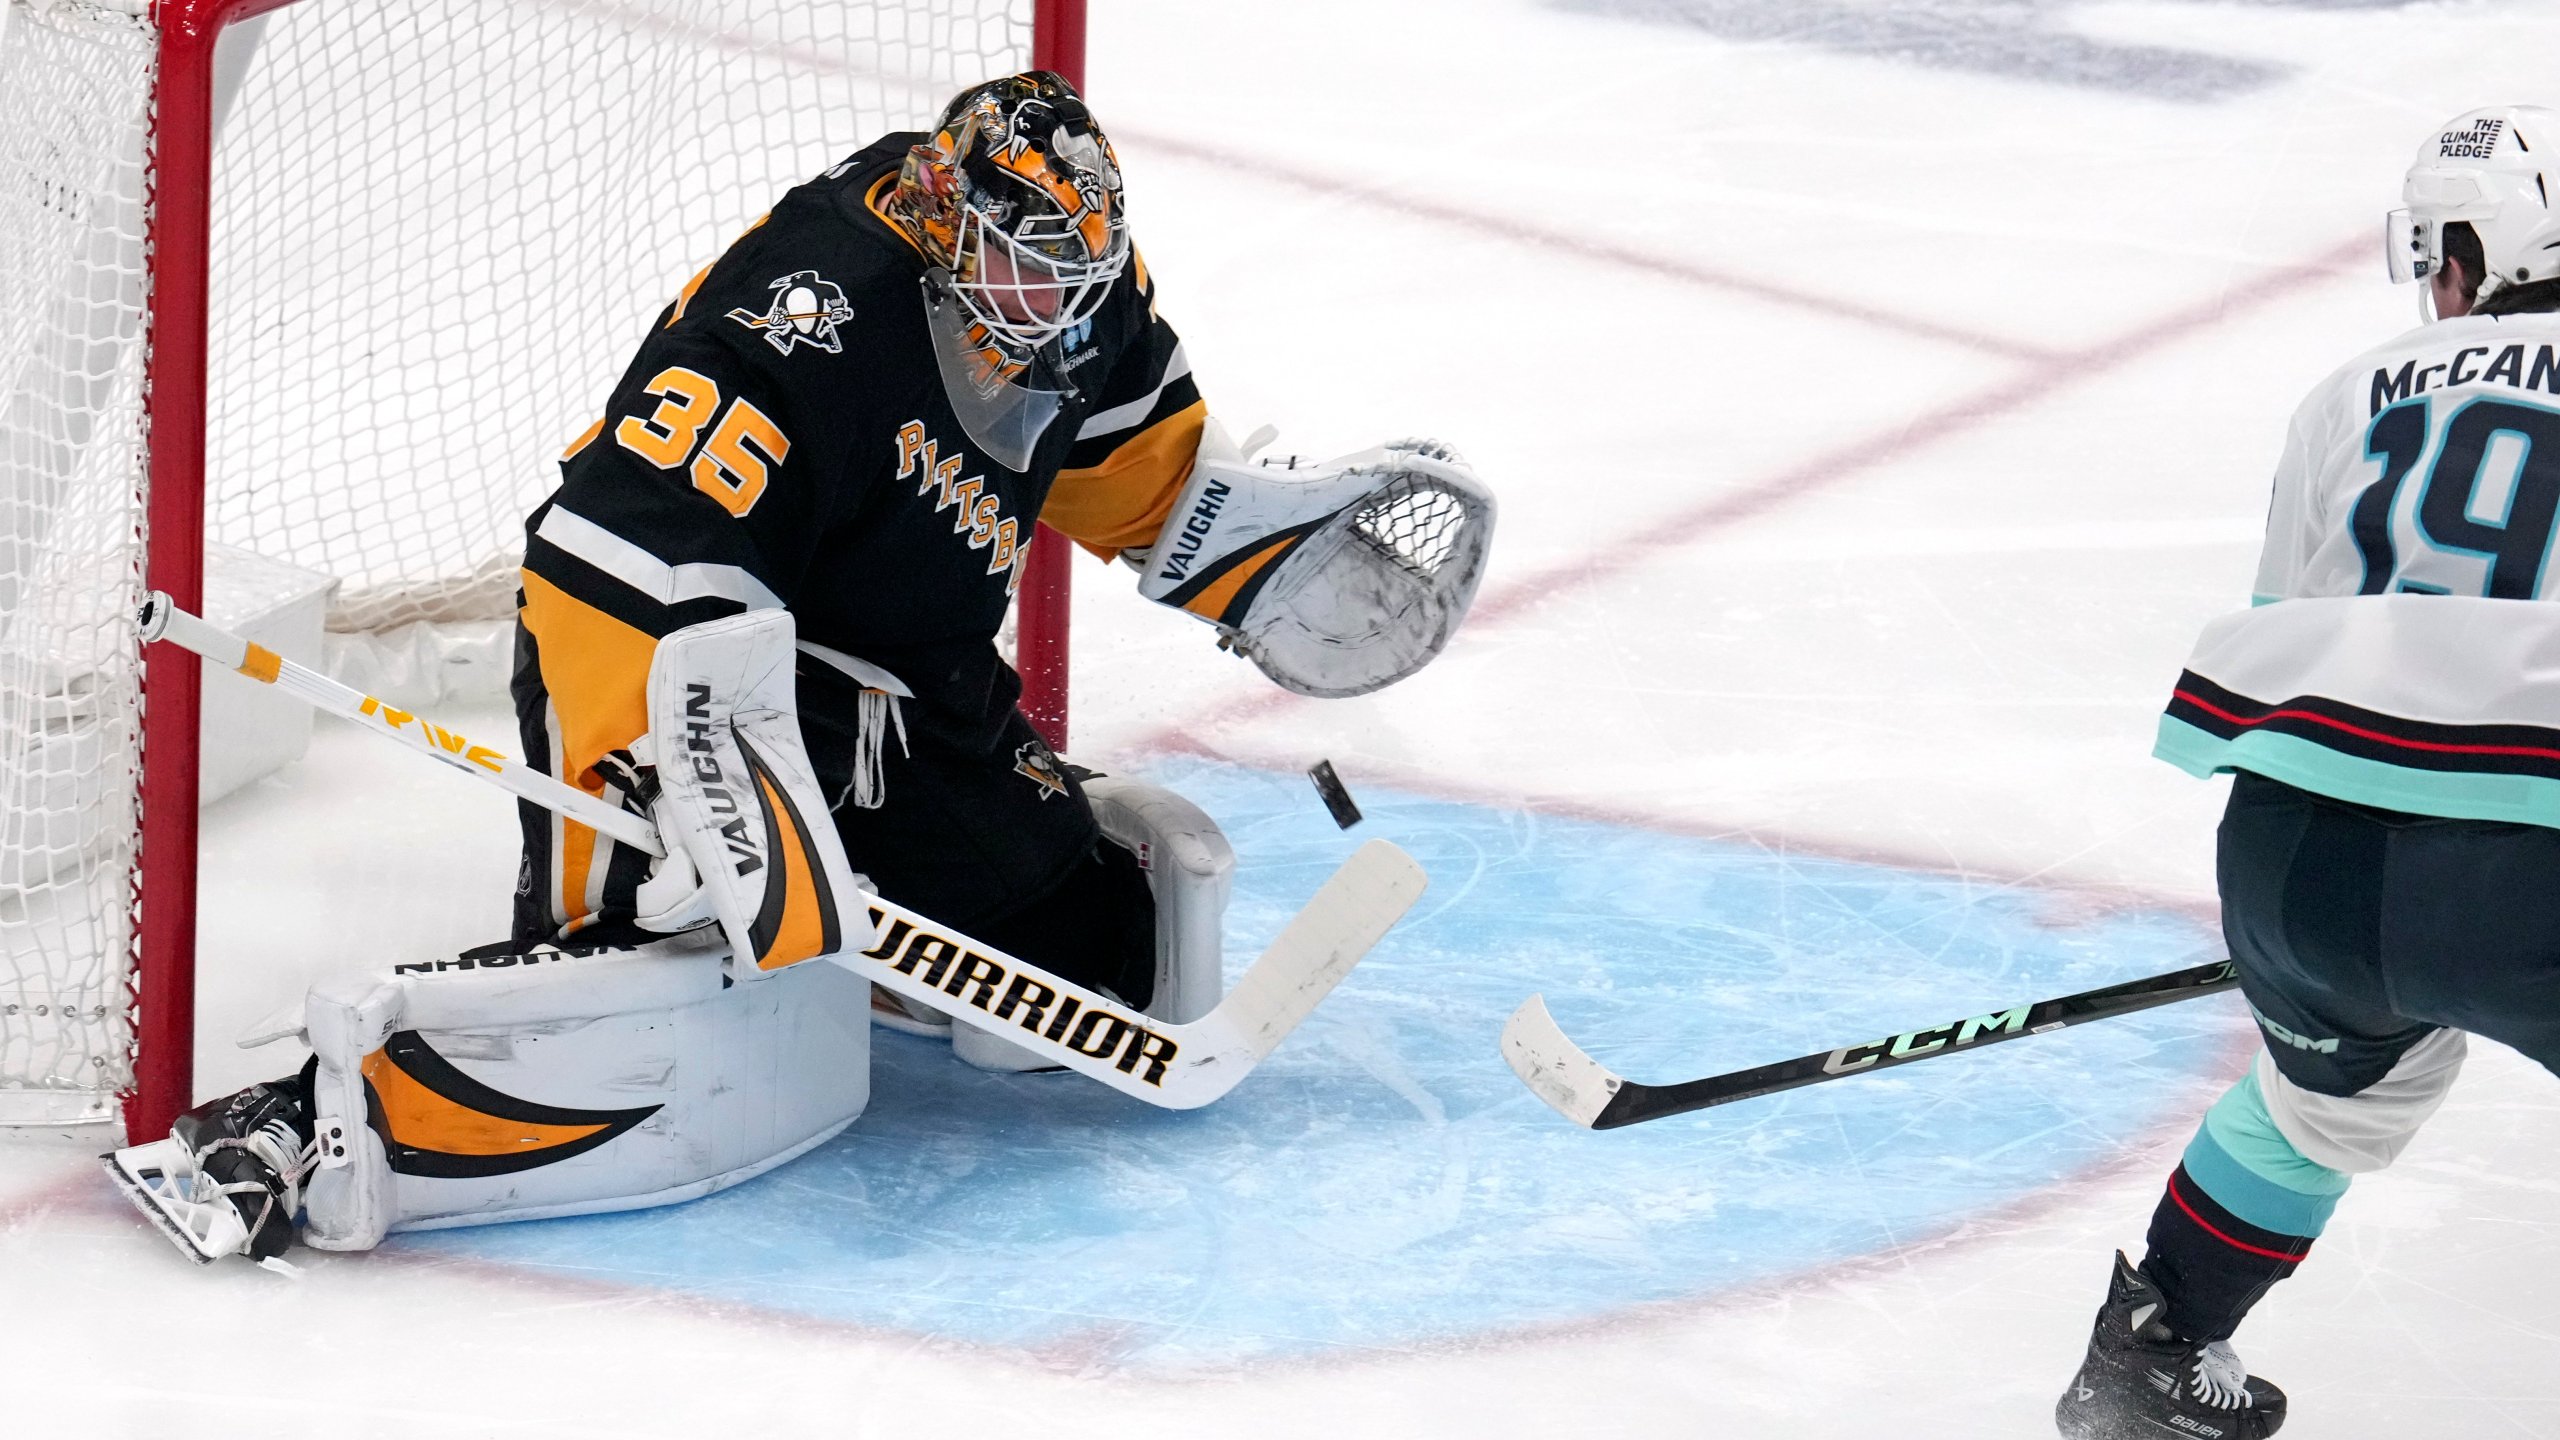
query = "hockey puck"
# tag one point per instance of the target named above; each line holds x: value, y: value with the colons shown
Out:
x: 1336, y: 798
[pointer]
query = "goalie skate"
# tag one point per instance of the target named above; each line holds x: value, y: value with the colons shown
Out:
x: 227, y: 1179
x: 162, y: 1182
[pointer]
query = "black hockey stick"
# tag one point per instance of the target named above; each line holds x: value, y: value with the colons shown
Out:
x: 1595, y: 1097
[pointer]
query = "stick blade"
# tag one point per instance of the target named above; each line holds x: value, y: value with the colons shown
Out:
x: 1554, y: 1068
x: 1351, y: 912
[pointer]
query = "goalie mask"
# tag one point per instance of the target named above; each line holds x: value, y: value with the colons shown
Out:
x: 2487, y: 168
x: 1017, y: 198
x: 1016, y: 202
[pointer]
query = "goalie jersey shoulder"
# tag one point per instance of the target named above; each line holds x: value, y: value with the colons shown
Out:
x: 817, y: 294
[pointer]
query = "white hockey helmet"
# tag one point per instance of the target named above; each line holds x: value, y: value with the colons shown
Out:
x: 2497, y: 169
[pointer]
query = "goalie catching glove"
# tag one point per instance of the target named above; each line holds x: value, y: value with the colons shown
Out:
x: 1335, y: 578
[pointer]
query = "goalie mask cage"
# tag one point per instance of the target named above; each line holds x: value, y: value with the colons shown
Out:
x: 335, y: 282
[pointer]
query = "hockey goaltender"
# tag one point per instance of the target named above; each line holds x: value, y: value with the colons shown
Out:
x: 761, y: 611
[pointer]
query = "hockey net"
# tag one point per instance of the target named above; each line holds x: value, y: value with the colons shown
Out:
x: 438, y: 229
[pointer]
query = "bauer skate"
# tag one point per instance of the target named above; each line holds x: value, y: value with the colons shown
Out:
x: 2140, y: 1381
x: 228, y: 1179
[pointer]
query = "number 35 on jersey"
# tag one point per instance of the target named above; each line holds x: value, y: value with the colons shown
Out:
x: 729, y: 452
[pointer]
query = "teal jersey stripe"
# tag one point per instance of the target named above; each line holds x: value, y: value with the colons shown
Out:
x: 2244, y: 1162
x: 2308, y: 765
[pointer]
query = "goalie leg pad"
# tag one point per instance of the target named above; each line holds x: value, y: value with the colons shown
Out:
x: 570, y: 1083
x: 1190, y: 869
x: 737, y: 791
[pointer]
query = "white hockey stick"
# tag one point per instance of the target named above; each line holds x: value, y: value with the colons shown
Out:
x: 1178, y: 1067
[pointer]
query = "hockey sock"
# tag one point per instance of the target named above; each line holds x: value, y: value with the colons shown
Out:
x: 2237, y: 1215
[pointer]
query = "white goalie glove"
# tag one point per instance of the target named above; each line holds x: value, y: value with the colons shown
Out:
x: 751, y: 843
x: 1336, y: 578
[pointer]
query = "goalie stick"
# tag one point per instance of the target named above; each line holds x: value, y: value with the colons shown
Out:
x: 1595, y: 1097
x: 1177, y: 1067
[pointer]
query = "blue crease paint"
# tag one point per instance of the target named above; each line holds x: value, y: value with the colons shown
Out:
x: 1383, y: 1182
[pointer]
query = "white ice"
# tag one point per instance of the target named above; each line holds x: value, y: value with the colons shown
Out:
x: 1877, y: 417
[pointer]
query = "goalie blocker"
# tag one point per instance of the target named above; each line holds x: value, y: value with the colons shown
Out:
x: 724, y: 772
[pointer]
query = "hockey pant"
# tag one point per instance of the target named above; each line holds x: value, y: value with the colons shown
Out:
x: 2368, y: 942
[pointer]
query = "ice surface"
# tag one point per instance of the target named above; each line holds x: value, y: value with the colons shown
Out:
x: 1378, y: 1187
x: 1876, y: 419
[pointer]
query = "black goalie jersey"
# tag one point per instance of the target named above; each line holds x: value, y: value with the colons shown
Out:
x: 784, y: 437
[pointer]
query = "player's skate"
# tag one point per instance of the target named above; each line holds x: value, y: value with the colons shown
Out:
x: 228, y: 1179
x: 2141, y: 1382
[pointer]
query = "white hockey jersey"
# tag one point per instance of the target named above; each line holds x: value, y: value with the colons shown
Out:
x: 2395, y: 656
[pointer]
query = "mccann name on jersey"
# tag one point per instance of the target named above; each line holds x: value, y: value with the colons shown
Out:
x: 2402, y: 649
x: 2514, y: 365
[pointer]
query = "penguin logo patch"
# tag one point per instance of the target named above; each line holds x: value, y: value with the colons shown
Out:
x: 1040, y: 763
x: 805, y: 311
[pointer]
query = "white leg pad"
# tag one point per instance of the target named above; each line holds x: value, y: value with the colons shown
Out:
x: 1191, y: 870
x: 464, y: 1092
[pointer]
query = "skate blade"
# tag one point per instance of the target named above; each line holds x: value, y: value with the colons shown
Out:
x: 146, y: 1175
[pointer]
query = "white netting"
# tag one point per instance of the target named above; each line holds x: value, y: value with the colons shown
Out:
x: 488, y: 210
x: 440, y: 228
x: 74, y: 88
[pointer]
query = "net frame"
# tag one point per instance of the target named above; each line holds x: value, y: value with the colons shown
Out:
x: 173, y: 405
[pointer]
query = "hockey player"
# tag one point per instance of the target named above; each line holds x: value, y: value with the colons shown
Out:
x: 2390, y: 712
x: 791, y: 538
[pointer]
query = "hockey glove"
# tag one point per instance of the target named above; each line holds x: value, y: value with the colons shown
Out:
x: 736, y: 795
x: 1335, y: 578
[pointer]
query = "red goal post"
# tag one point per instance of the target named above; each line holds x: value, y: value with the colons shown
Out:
x: 175, y: 425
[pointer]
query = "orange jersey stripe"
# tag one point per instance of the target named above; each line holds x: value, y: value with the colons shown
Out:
x: 588, y: 436
x: 1124, y: 500
x: 596, y: 669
